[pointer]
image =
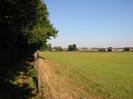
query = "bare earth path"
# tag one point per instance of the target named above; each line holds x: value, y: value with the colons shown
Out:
x: 49, y: 86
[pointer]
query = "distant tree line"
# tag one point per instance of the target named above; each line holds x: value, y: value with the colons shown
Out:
x: 109, y: 49
x: 58, y: 48
x: 73, y: 47
x: 49, y: 47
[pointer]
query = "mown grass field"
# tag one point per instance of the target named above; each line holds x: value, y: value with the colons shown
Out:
x: 107, y: 75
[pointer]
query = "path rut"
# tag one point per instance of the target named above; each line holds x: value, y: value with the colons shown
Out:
x: 46, y: 89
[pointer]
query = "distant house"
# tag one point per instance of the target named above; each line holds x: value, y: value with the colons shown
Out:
x: 104, y: 49
x: 83, y: 49
x: 131, y: 48
x: 93, y: 49
x: 117, y: 49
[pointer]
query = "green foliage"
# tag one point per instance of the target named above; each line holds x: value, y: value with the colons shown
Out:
x: 126, y: 49
x: 72, y: 47
x: 32, y: 72
x: 110, y: 49
x: 38, y: 34
x: 42, y: 30
x: 24, y: 27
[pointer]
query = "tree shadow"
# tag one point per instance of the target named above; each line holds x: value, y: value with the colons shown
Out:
x: 13, y: 80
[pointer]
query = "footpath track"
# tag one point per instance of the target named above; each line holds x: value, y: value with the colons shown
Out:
x: 46, y: 89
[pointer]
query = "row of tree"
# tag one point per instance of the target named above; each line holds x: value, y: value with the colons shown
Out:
x: 72, y: 47
x: 24, y: 27
x: 110, y: 49
x: 104, y: 50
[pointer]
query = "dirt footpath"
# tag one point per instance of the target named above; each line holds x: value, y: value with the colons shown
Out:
x: 49, y: 86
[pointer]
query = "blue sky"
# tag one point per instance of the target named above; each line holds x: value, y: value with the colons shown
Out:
x: 92, y: 23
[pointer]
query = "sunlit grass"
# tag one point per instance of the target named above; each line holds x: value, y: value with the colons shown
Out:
x: 106, y: 75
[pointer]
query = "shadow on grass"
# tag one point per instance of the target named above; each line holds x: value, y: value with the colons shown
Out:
x: 9, y: 88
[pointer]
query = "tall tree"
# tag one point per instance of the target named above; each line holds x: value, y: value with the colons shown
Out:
x: 110, y: 49
x: 126, y: 49
x: 24, y: 27
x: 72, y: 47
x: 75, y: 47
x: 50, y: 47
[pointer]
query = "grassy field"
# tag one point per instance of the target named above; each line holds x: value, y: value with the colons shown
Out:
x: 107, y: 75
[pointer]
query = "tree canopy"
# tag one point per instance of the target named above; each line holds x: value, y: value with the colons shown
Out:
x: 126, y: 49
x: 24, y: 27
x: 72, y: 47
x: 110, y: 49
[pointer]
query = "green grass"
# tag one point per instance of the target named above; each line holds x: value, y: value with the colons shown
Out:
x: 106, y: 75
